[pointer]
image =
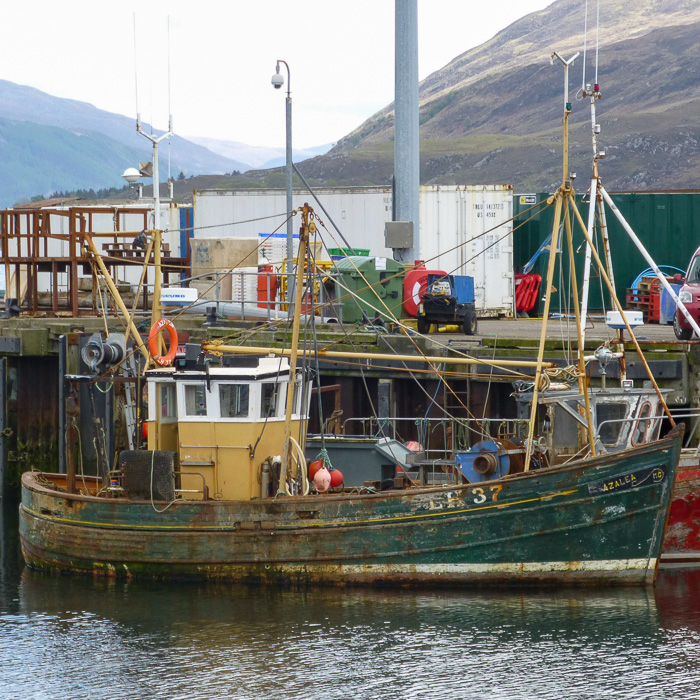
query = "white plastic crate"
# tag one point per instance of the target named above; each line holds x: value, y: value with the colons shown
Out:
x: 273, y: 250
x: 244, y: 287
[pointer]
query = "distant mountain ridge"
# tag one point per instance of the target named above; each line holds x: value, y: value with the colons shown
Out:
x: 493, y: 114
x: 258, y: 157
x: 49, y: 143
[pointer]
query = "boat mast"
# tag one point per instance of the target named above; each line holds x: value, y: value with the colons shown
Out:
x: 562, y: 199
x: 595, y: 206
x: 306, y: 210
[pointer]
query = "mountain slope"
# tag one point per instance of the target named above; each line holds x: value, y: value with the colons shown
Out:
x: 494, y: 113
x: 49, y: 143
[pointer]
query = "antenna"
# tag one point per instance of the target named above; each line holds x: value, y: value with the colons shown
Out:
x: 170, y: 112
x: 155, y: 140
x: 567, y: 105
x: 136, y: 80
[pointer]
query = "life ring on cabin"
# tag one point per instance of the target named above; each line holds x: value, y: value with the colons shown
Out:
x: 167, y: 359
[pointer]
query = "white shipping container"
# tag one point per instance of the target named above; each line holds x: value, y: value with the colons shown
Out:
x: 467, y: 230
x: 359, y: 212
x: 457, y: 224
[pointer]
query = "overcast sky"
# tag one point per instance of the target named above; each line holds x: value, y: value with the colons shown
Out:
x: 223, y: 53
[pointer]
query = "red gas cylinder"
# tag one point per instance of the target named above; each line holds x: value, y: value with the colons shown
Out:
x: 267, y: 286
x: 414, y: 285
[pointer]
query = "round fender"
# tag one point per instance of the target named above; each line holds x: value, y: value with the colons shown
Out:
x: 167, y: 359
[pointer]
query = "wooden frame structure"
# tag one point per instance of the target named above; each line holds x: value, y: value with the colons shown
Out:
x: 30, y: 249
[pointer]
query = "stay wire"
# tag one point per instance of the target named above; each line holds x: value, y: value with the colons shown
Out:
x: 411, y: 339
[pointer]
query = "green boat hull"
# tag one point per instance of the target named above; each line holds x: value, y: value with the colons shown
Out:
x: 594, y: 521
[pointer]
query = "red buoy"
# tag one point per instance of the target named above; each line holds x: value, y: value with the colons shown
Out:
x: 314, y: 467
x: 337, y: 478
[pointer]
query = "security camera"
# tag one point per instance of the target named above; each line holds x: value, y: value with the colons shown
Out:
x: 277, y: 81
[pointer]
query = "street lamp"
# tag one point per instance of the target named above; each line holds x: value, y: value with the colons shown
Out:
x: 278, y: 82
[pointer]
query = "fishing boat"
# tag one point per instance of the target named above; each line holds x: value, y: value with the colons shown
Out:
x: 217, y: 496
x: 222, y: 491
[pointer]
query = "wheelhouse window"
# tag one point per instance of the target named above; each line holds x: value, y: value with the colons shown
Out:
x: 168, y: 406
x: 195, y: 400
x: 610, y: 421
x: 269, y: 400
x: 234, y: 400
x: 642, y: 426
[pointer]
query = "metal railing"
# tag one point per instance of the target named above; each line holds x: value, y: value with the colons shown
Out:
x: 439, y: 437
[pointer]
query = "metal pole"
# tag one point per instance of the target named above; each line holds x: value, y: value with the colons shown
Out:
x: 406, y: 135
x: 62, y: 362
x: 277, y: 82
x: 155, y: 311
x: 290, y: 192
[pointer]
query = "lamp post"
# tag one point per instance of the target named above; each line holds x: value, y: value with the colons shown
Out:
x: 278, y: 82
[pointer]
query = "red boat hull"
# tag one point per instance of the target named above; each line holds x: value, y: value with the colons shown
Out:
x: 682, y: 539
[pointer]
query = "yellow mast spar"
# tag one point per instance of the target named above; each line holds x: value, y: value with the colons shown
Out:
x: 564, y: 195
x: 298, y: 291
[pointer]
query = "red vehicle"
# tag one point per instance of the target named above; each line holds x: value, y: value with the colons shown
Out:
x: 690, y: 296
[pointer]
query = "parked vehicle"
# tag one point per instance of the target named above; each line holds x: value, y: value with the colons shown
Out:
x: 690, y: 296
x: 442, y: 304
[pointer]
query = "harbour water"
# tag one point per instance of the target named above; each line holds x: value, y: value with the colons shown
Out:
x: 67, y: 638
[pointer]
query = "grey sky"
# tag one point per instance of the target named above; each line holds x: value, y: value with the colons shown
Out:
x: 222, y: 56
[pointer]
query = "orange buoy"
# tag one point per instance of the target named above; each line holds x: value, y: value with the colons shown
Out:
x: 167, y: 359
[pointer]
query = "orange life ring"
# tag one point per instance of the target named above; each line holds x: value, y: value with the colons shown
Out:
x: 167, y: 359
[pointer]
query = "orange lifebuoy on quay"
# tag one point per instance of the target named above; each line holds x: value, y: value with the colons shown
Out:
x: 167, y: 359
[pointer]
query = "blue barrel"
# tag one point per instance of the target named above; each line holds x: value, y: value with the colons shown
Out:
x: 667, y: 308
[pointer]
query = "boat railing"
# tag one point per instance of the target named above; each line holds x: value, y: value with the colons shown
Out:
x: 439, y: 438
x: 691, y: 415
x: 204, y: 490
x: 613, y: 437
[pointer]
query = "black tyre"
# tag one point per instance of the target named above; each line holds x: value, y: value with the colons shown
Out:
x: 423, y: 325
x: 470, y: 324
x: 681, y: 333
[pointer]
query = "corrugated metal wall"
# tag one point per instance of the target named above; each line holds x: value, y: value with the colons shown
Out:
x: 665, y: 222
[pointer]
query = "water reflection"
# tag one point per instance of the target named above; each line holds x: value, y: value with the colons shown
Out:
x: 67, y: 638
